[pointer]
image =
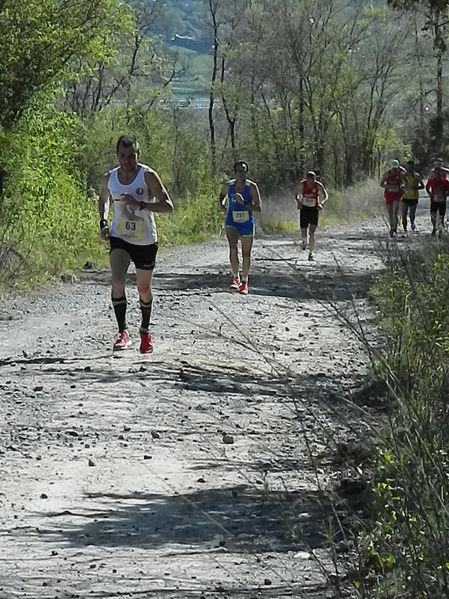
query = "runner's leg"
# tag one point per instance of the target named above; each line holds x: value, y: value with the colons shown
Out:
x: 413, y: 215
x: 312, y: 230
x: 389, y: 208
x: 119, y: 260
x: 433, y: 218
x: 247, y: 244
x: 144, y: 279
x: 395, y: 215
x: 233, y: 236
x: 404, y: 211
x: 441, y: 215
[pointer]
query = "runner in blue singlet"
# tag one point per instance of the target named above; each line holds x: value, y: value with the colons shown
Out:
x: 243, y: 199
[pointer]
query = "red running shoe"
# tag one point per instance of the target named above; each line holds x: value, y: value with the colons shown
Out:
x: 235, y: 283
x: 244, y: 288
x: 146, y: 342
x: 122, y: 342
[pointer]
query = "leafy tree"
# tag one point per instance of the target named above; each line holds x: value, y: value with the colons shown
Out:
x: 40, y: 39
x: 435, y: 14
x: 135, y: 72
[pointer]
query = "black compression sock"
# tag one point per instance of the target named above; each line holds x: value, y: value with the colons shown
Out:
x: 120, y: 304
x: 146, y: 314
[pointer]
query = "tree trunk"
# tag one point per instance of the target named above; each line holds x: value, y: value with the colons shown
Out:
x: 420, y: 77
x: 253, y: 118
x: 2, y: 178
x: 301, y: 128
x: 439, y: 45
x: 439, y: 115
x: 231, y: 118
x: 213, y: 12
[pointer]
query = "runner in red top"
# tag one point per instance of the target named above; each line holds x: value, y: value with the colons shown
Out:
x: 393, y: 183
x: 438, y: 165
x: 311, y: 195
x: 437, y: 187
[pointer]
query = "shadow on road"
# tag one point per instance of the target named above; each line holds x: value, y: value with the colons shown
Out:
x: 328, y: 284
x: 288, y: 276
x: 241, y: 518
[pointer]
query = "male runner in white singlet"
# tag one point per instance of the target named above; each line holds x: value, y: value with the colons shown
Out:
x: 136, y: 192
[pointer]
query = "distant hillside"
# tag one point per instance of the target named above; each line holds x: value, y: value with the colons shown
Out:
x: 186, y: 18
x: 191, y: 43
x: 186, y: 34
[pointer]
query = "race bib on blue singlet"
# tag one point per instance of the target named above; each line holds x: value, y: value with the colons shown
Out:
x: 240, y: 216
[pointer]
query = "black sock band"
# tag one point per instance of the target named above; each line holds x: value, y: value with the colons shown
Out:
x: 120, y: 304
x: 146, y: 314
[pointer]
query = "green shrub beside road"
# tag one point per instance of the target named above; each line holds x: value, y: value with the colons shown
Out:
x: 408, y: 545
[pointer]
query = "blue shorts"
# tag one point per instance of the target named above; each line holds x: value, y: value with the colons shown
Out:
x: 242, y: 229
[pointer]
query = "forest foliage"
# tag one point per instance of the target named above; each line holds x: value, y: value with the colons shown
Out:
x: 338, y: 86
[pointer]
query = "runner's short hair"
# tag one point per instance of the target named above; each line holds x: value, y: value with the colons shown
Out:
x: 241, y: 163
x: 127, y: 141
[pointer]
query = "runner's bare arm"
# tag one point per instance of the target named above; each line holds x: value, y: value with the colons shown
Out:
x: 403, y: 183
x: 103, y: 207
x: 383, y: 181
x: 298, y: 196
x: 322, y: 192
x: 156, y: 188
x: 103, y: 200
x: 420, y: 181
x: 255, y: 205
x: 222, y: 196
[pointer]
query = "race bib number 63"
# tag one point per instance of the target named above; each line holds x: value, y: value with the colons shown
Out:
x: 130, y: 228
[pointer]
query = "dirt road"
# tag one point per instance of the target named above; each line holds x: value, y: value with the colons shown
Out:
x: 197, y: 471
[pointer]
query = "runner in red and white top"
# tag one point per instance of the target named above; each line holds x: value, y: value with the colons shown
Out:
x: 437, y: 187
x: 311, y: 195
x: 393, y: 182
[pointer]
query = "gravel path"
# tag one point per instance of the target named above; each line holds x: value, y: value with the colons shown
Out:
x: 188, y: 473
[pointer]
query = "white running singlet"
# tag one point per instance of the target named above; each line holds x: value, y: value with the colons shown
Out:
x: 132, y: 224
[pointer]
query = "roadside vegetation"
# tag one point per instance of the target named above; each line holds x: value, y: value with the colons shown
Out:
x: 405, y: 544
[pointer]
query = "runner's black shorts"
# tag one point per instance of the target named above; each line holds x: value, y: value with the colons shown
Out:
x: 143, y: 256
x: 308, y: 216
x: 409, y: 202
x: 438, y: 207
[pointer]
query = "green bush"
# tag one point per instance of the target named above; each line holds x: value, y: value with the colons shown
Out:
x: 46, y: 216
x: 408, y: 544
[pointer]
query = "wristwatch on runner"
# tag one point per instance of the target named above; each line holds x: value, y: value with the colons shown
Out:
x: 142, y: 205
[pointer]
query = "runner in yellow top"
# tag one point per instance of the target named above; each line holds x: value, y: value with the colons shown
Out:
x: 410, y: 195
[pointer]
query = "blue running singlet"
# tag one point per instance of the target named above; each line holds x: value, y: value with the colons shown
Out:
x: 239, y: 216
